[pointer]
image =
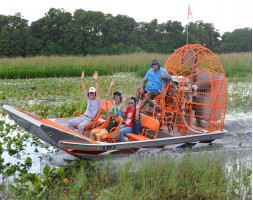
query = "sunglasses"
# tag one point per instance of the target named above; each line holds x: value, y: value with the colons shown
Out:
x: 130, y: 103
x: 91, y: 93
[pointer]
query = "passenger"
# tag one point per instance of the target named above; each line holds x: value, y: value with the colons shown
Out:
x: 93, y: 105
x: 117, y: 97
x: 154, y: 78
x: 112, y: 123
x: 128, y: 126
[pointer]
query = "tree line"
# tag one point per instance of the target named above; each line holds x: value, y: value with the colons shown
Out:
x: 90, y: 32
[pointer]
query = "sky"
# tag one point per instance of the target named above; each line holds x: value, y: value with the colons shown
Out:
x: 225, y: 15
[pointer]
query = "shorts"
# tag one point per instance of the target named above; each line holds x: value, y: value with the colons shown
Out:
x: 154, y: 93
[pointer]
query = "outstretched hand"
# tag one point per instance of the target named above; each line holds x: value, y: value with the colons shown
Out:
x: 138, y: 106
x: 112, y: 82
x: 95, y: 76
x: 124, y: 98
x: 82, y: 76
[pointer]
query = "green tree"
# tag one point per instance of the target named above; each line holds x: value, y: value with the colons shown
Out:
x: 171, y: 36
x: 4, y: 41
x: 13, y: 35
x: 55, y: 31
x: 88, y: 35
x: 89, y: 32
x: 204, y: 34
x: 240, y: 40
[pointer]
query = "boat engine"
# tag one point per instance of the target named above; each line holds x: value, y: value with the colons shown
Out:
x: 196, y: 100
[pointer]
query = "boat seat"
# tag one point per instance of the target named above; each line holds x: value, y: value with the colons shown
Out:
x: 148, y: 123
x: 93, y: 123
x: 135, y: 137
x: 113, y: 136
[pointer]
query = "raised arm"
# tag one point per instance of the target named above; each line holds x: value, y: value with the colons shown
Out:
x: 83, y: 85
x: 122, y: 107
x: 110, y: 91
x: 115, y: 110
x: 137, y: 113
x: 95, y: 77
x: 107, y: 111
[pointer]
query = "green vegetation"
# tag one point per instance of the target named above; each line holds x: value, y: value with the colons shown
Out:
x: 186, y: 176
x: 59, y: 97
x: 239, y: 71
x: 53, y: 71
x: 173, y: 176
x: 69, y: 66
x: 239, y: 97
x: 59, y: 32
x: 237, y: 66
x: 234, y: 64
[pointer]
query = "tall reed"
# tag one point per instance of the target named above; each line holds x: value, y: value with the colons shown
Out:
x: 68, y: 66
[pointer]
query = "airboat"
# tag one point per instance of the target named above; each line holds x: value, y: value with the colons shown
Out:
x: 191, y: 108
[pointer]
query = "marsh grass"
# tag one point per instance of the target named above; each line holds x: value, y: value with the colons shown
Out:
x: 235, y: 59
x: 189, y: 176
x: 61, y: 97
x: 53, y: 71
x: 69, y: 66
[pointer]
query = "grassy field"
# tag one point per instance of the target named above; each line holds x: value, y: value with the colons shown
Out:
x: 234, y: 64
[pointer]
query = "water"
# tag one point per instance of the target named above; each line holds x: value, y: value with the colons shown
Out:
x: 238, y: 139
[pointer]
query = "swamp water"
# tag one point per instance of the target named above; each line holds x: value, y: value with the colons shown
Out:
x: 236, y: 143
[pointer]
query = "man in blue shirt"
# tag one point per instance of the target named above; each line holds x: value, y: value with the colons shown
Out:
x: 154, y: 78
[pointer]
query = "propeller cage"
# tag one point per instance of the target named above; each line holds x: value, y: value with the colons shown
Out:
x: 196, y: 101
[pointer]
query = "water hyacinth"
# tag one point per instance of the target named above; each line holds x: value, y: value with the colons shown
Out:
x: 65, y: 95
x: 186, y: 175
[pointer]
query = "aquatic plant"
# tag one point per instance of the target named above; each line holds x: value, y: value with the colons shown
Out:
x: 239, y: 97
x: 60, y: 97
x: 190, y: 176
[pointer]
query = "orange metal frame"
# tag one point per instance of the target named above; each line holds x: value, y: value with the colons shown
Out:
x: 114, y: 130
x: 197, y: 104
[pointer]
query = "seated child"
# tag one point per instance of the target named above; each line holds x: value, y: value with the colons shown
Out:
x: 112, y: 123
